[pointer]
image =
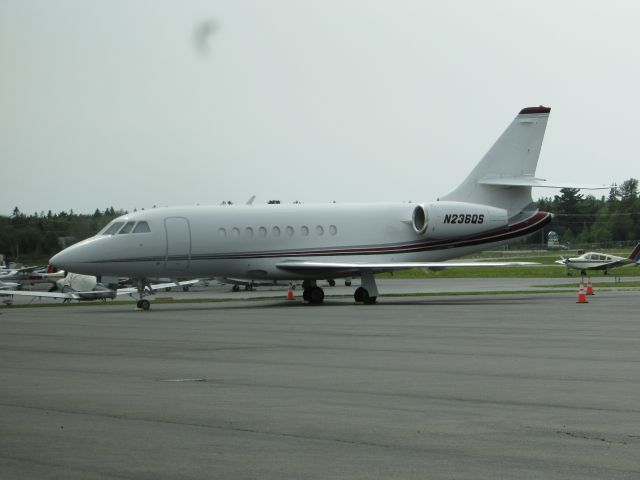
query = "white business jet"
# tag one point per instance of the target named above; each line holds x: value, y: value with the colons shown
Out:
x: 492, y: 206
x: 600, y: 261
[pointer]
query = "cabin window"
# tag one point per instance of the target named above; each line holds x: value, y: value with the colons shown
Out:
x: 319, y: 230
x: 115, y: 226
x: 262, y: 231
x: 304, y: 230
x: 222, y: 233
x: 248, y: 232
x: 333, y: 230
x: 289, y: 230
x: 127, y: 228
x: 235, y: 232
x: 142, y: 227
x: 275, y: 231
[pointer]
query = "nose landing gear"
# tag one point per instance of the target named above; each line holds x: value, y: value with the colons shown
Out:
x: 143, y: 304
x: 143, y: 288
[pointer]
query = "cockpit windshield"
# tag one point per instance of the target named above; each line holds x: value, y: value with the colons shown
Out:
x: 142, y: 227
x: 129, y: 227
x: 113, y: 228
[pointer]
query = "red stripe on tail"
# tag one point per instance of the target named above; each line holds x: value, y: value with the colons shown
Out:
x: 635, y: 255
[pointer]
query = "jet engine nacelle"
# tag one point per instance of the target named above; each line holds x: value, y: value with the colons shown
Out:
x: 452, y: 219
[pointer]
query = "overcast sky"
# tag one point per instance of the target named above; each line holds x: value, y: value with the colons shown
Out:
x: 124, y: 103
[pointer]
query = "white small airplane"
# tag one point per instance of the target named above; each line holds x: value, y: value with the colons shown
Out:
x: 75, y: 286
x: 599, y: 261
x: 308, y: 242
x: 31, y: 275
x: 9, y: 285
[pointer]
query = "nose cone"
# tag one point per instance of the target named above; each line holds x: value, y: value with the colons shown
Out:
x: 76, y: 258
x: 63, y: 260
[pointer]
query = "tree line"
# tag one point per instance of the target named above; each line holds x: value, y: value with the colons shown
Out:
x: 580, y: 220
x: 43, y: 234
x: 585, y: 220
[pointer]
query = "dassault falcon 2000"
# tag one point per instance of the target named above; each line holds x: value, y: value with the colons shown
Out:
x: 493, y: 205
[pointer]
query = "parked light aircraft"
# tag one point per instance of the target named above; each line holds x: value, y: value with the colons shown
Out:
x: 80, y: 287
x: 492, y: 206
x: 9, y: 285
x: 31, y: 275
x: 600, y: 261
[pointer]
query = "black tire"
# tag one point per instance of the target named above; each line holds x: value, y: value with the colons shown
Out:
x: 361, y: 295
x: 347, y: 283
x: 185, y: 288
x: 235, y: 288
x: 143, y: 304
x: 332, y: 282
x: 248, y: 287
x: 306, y: 294
x: 316, y: 295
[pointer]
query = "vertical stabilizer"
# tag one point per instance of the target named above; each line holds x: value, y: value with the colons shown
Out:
x: 504, y: 176
x: 635, y: 255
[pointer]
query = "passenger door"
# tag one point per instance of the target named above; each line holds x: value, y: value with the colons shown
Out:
x: 178, y: 233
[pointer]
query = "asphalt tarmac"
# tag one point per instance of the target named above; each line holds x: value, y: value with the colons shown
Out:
x: 460, y: 387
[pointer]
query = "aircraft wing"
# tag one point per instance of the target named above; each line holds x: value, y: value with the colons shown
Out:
x: 347, y: 268
x: 157, y: 286
x: 27, y: 293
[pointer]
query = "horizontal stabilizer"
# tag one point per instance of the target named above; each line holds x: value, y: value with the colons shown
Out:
x: 529, y: 181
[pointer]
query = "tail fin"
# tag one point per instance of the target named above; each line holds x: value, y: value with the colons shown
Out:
x: 635, y: 255
x: 506, y: 173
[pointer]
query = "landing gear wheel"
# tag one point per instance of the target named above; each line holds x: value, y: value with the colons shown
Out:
x: 332, y: 282
x: 347, y: 283
x: 235, y: 288
x: 185, y: 288
x: 248, y: 287
x: 361, y: 295
x: 144, y: 304
x: 306, y: 294
x: 316, y: 295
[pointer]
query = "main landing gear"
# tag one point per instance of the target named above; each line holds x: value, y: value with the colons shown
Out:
x: 361, y: 295
x: 311, y: 292
x: 366, y: 294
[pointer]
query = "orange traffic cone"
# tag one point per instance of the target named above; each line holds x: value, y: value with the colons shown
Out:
x: 590, y: 288
x: 582, y: 298
x: 290, y: 292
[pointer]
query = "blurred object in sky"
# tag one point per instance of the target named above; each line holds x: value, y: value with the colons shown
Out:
x: 202, y: 35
